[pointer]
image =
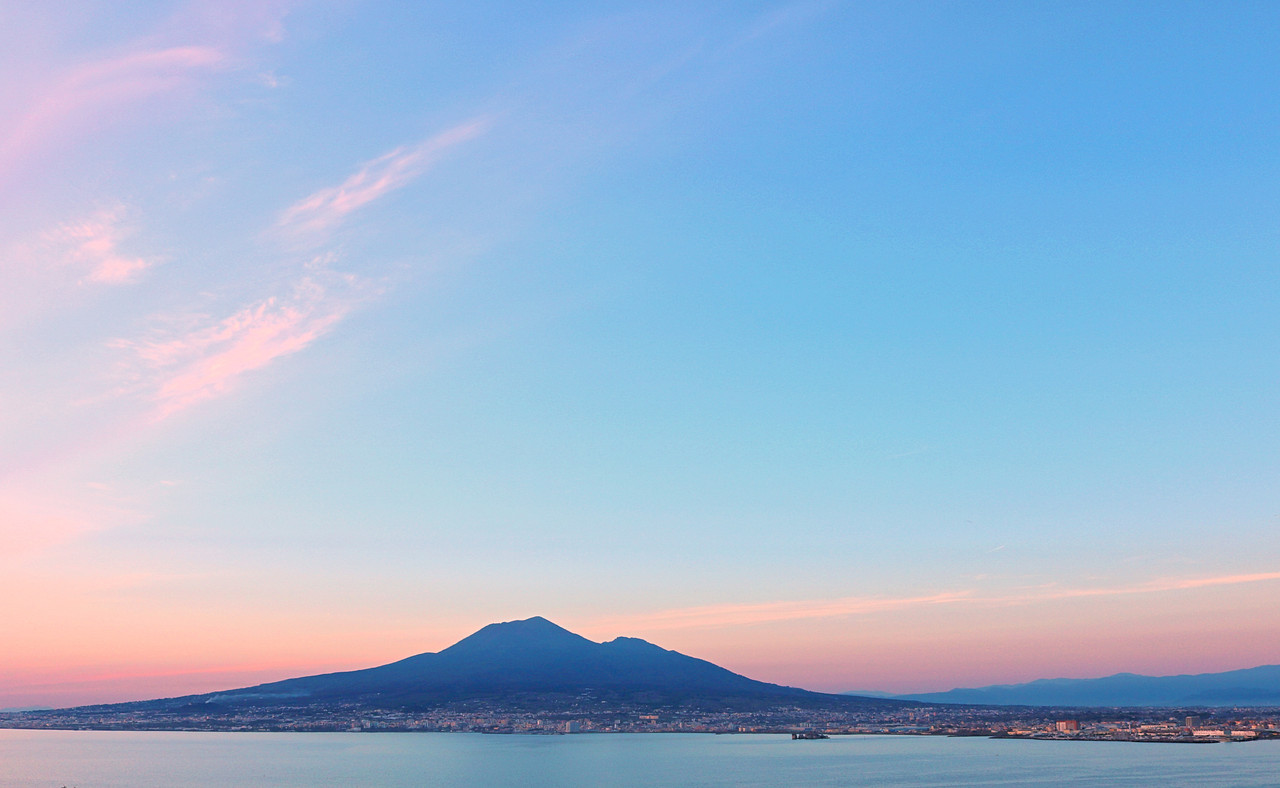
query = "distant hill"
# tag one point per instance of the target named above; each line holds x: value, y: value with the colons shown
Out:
x: 1249, y: 687
x: 15, y: 709
x: 531, y: 664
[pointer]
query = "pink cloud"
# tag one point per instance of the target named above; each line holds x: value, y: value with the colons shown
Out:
x: 204, y: 362
x: 764, y: 612
x: 325, y: 209
x: 94, y: 243
x: 64, y: 103
x: 759, y: 613
x: 1155, y: 586
x: 75, y: 103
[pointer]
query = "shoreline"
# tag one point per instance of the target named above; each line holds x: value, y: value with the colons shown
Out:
x: 827, y: 734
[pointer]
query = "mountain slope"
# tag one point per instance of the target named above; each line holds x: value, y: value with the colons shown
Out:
x: 1258, y: 686
x: 525, y: 663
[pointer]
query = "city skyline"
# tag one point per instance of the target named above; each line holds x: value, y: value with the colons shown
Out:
x: 846, y: 346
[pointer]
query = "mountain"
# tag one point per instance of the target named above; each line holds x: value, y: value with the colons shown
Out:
x: 1258, y: 686
x: 523, y: 664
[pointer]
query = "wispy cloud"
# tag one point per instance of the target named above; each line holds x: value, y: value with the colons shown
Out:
x: 764, y: 612
x: 68, y: 102
x: 181, y: 362
x: 1155, y: 586
x: 179, y: 369
x: 324, y: 210
x: 792, y: 15
x: 759, y: 613
x: 75, y: 102
x: 93, y: 244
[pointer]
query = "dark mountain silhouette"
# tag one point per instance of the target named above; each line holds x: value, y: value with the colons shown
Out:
x: 1258, y: 686
x: 529, y: 663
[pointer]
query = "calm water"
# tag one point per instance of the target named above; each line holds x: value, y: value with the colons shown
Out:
x: 283, y: 760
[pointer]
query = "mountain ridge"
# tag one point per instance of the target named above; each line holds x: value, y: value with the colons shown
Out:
x: 1257, y: 686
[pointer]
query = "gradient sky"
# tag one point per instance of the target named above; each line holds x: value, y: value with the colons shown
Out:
x: 892, y: 346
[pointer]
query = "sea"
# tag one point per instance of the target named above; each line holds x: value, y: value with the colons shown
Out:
x: 105, y: 759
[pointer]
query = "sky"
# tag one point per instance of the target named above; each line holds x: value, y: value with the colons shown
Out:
x: 882, y: 346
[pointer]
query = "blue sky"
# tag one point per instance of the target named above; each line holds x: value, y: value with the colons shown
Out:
x: 847, y: 345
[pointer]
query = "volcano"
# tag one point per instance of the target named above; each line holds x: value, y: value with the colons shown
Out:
x: 531, y: 663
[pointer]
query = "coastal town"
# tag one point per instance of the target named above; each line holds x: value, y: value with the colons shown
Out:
x: 1198, y: 726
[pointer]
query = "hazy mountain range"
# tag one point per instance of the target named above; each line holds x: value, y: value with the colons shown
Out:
x: 531, y: 664
x: 1258, y: 686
